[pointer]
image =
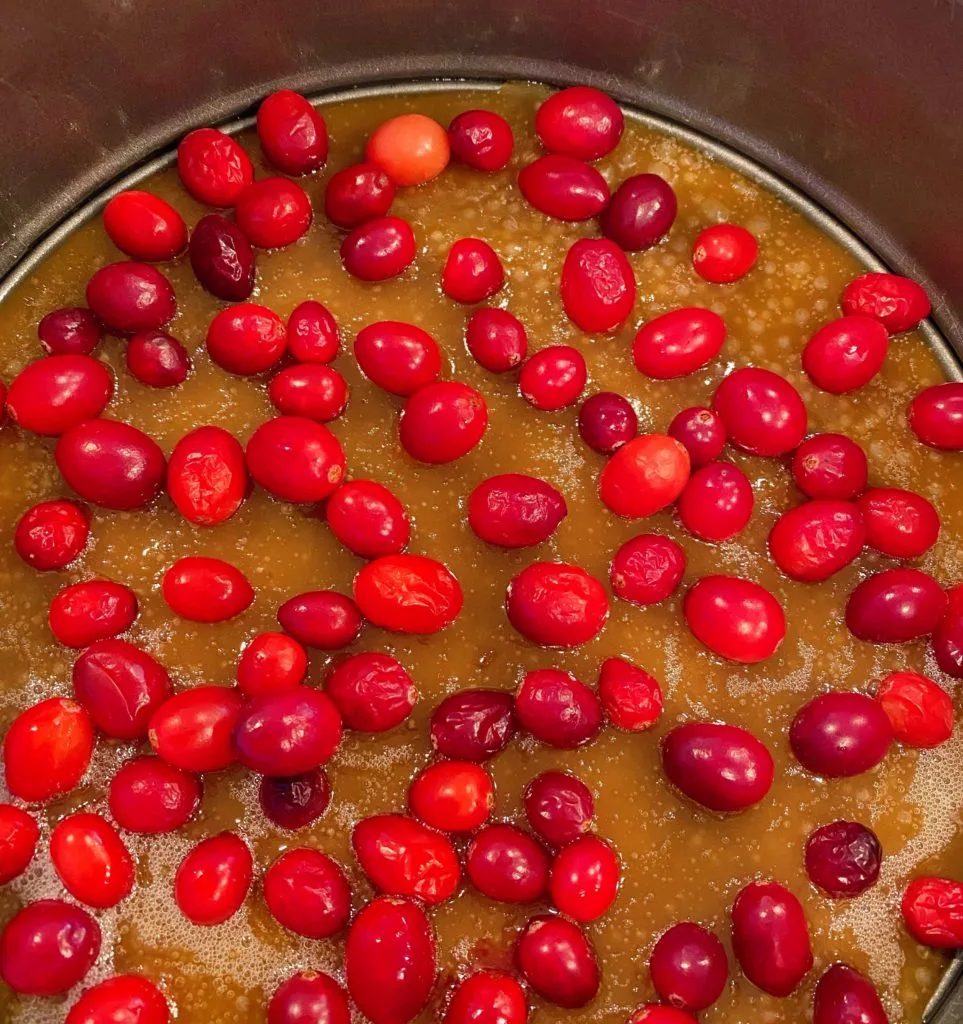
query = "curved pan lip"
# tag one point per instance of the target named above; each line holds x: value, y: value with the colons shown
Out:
x: 939, y: 1010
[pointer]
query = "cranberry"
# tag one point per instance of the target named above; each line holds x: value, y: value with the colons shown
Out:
x: 647, y: 569
x: 899, y: 523
x: 556, y: 605
x: 640, y: 213
x: 644, y: 476
x: 481, y: 139
x: 473, y: 725
x: 948, y: 638
x: 936, y: 416
x: 19, y: 833
x: 557, y: 708
x: 53, y: 394
x: 378, y: 249
x: 313, y: 334
x: 390, y: 960
x: 96, y: 610
x: 845, y: 354
x: 145, y: 226
x: 717, y: 502
x: 307, y: 892
x: 309, y: 997
x: 273, y: 212
x: 843, y: 858
x: 398, y: 357
x: 559, y: 807
x: 295, y: 459
x: 111, y: 464
x: 631, y: 698
x: 656, y: 1013
x: 157, y: 360
x: 373, y: 692
x: 222, y: 258
x: 472, y: 271
x: 762, y: 412
x: 323, y: 619
x: 496, y: 339
x: 515, y: 511
x: 412, y: 148
x: 287, y: 733
x: 292, y: 133
x: 830, y: 466
x: 368, y: 519
x: 356, y: 194
x: 51, y: 535
x: 701, y: 431
x: 73, y: 330
x: 840, y: 734
x: 488, y: 997
x: 194, y: 729
x: 844, y: 996
x: 408, y: 594
x: 598, y: 285
x: 312, y: 390
x: 558, y: 962
x: 269, y: 663
x: 724, y: 253
x: 689, y: 967
x: 207, y: 476
x: 506, y: 864
x: 553, y: 378
x: 580, y: 122
x: 895, y: 606
x: 607, y: 421
x: 678, y: 343
x: 206, y: 589
x: 130, y: 297
x: 213, y: 879
x: 443, y: 421
x: 47, y: 948
x: 402, y: 857
x: 246, y: 339
x: 770, y: 937
x: 452, y: 796
x: 150, y: 796
x: 920, y: 712
x: 91, y: 860
x: 585, y: 878
x: 123, y: 999
x: 562, y: 187
x: 817, y: 539
x: 735, y: 618
x: 213, y: 167
x: 297, y: 801
x: 932, y: 909
x: 121, y: 686
x: 898, y: 303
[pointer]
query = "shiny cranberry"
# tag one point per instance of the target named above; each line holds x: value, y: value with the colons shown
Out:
x: 51, y: 395
x: 717, y: 502
x: 902, y: 524
x: 496, y: 339
x: 357, y: 194
x: 559, y: 807
x: 131, y: 296
x: 936, y: 416
x: 307, y: 893
x: 932, y: 910
x: 398, y: 357
x: 553, y: 378
x: 488, y: 997
x: 641, y: 212
x: 657, y: 1013
x: 412, y: 148
x: 213, y: 167
x: 898, y: 303
x: 206, y: 589
x: 481, y: 139
x: 735, y: 618
x: 472, y: 271
x: 292, y: 133
x: 506, y: 864
x: 408, y: 594
x: 309, y: 997
x: 556, y: 605
x: 843, y: 858
x: 19, y: 833
x: 311, y: 390
x: 580, y: 122
x: 724, y: 253
x: 689, y: 967
x: 213, y: 879
x: 920, y: 712
x: 246, y: 339
x: 844, y: 996
x: 91, y: 860
x: 402, y: 857
x: 762, y: 412
x: 558, y: 962
x: 287, y: 733
x: 647, y: 569
x: 295, y: 459
x: 123, y: 999
x: 585, y: 878
x: 948, y: 638
x: 606, y: 421
x: 222, y: 258
x: 840, y: 734
x: 770, y: 937
x: 150, y: 796
x: 895, y: 606
x: 557, y: 708
x: 644, y: 476
x: 452, y: 796
x: 273, y: 212
x: 515, y: 511
x: 678, y: 343
x: 96, y: 610
x: 295, y: 802
x: 373, y: 692
x: 144, y: 226
x: 313, y: 334
x: 207, y: 476
x: 51, y: 535
x: 111, y: 464
x: 72, y: 330
x: 157, y: 360
x: 271, y: 662
x: 47, y: 948
x: 368, y: 519
x: 323, y: 619
x: 845, y: 354
x: 443, y: 421
x: 194, y: 729
x: 562, y: 187
x: 701, y: 431
x: 817, y: 539
x: 598, y: 285
x: 378, y: 249
x: 473, y: 725
x: 631, y: 698
x: 830, y: 466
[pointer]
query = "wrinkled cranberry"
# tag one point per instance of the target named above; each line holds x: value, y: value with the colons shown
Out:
x: 91, y: 860
x: 131, y: 296
x: 408, y: 593
x: 840, y: 734
x: 222, y: 258
x: 817, y: 539
x: 557, y: 708
x: 558, y: 962
x: 735, y: 618
x: 368, y: 519
x: 563, y: 187
x: 297, y: 801
x: 702, y: 433
x: 51, y: 395
x: 631, y: 698
x: 273, y: 212
x: 553, y: 378
x: 287, y: 733
x: 206, y: 589
x: 295, y: 459
x: 373, y: 692
x: 72, y: 330
x: 689, y: 967
x: 514, y: 511
x: 83, y: 613
x: 47, y: 948
x: 898, y: 303
x: 678, y: 343
x: 488, y: 997
x: 194, y: 729
x: 19, y: 833
x: 902, y: 524
x: 895, y: 606
x: 443, y: 421
x: 309, y: 997
x: 51, y: 535
x: 452, y: 796
x: 313, y: 334
x: 213, y: 879
x: 559, y: 807
x: 920, y: 712
x: 481, y: 139
x: 472, y: 271
x: 936, y: 416
x: 830, y: 466
x: 398, y: 357
x: 556, y: 605
x: 506, y: 864
x: 641, y: 212
x: 762, y: 412
x: 213, y: 167
x: 150, y: 796
x: 717, y: 502
x: 606, y: 421
x: 844, y: 996
x: 770, y: 937
x: 123, y: 999
x: 932, y: 909
x: 585, y: 878
x: 496, y: 339
x: 579, y: 121
x: 207, y: 476
x: 323, y: 619
x: 598, y: 285
x: 356, y: 194
x: 724, y: 253
x: 144, y: 226
x: 292, y: 133
x: 845, y: 354
x: 246, y: 339
x: 647, y: 569
x: 157, y: 360
x: 379, y: 249
x: 644, y: 476
x: 843, y: 858
x: 307, y: 893
x: 402, y: 857
x: 473, y: 725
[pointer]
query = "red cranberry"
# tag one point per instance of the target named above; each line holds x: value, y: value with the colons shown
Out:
x: 271, y: 662
x: 762, y: 412
x: 496, y: 339
x: 735, y: 618
x: 563, y: 187
x: 295, y: 459
x: 96, y: 610
x: 558, y: 962
x: 297, y: 801
x: 207, y: 476
x: 948, y: 644
x: 641, y: 212
x: 452, y: 796
x: 47, y: 948
x: 631, y: 698
x: 843, y: 858
x: 817, y: 539
x: 51, y: 535
x: 145, y: 226
x: 313, y: 334
x: 830, y: 466
x: 899, y: 523
x: 213, y: 879
x: 898, y: 303
x: 473, y: 725
x: 91, y: 860
x: 222, y: 258
x: 472, y: 271
x: 770, y: 937
x: 124, y: 998
x: 920, y: 712
x: 150, y: 796
x: 515, y: 511
x: 273, y: 212
x: 213, y: 167
x: 678, y: 343
x: 932, y: 909
x: 287, y: 733
x: 53, y: 394
x: 157, y: 360
x: 553, y: 378
x: 559, y: 807
x: 481, y: 139
x: 598, y: 285
x: 19, y: 833
x: 73, y: 330
x: 194, y: 729
x: 307, y: 893
x: 580, y: 122
x: 607, y: 421
x: 408, y: 594
x: 292, y: 133
x: 378, y: 249
x: 357, y: 194
x: 557, y: 708
x: 656, y: 1013
x: 689, y: 967
x: 840, y: 734
x: 845, y: 354
x: 130, y: 297
x: 398, y: 357
x: 488, y: 997
x: 936, y: 416
x: 701, y: 431
x: 644, y: 476
x: 556, y: 605
x: 443, y: 421
x: 246, y: 339
x: 844, y: 996
x: 717, y: 502
x: 506, y: 864
x: 206, y: 589
x: 373, y: 692
x: 895, y: 606
x: 585, y: 878
x: 309, y: 997
x: 323, y: 619
x: 312, y: 390
x: 724, y: 253
x: 368, y: 519
x: 647, y: 569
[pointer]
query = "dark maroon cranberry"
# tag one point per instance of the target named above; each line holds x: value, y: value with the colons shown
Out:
x: 157, y: 360
x: 507, y: 864
x: 73, y: 330
x: 640, y: 213
x: 558, y: 709
x: 895, y: 606
x: 607, y: 421
x: 701, y: 431
x: 843, y: 858
x: 844, y: 996
x: 473, y: 725
x: 297, y: 801
x: 559, y: 807
x: 222, y: 258
x: 840, y: 734
x: 689, y: 967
